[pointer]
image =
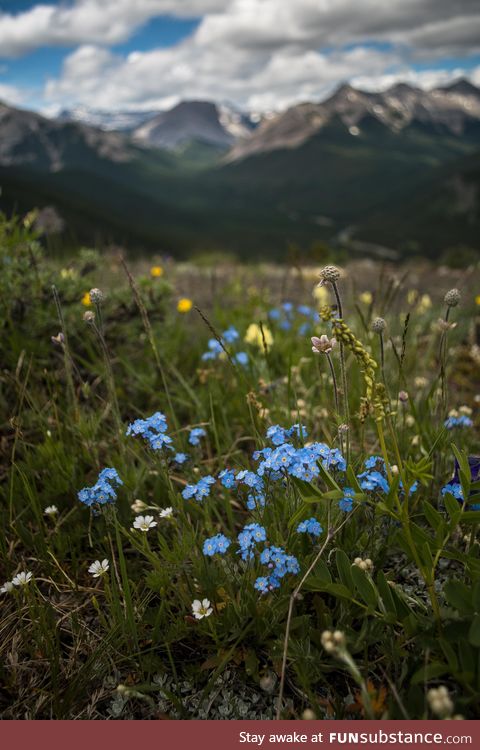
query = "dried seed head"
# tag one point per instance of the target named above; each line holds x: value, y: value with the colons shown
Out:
x: 308, y: 715
x: 452, y: 297
x: 96, y: 296
x: 89, y: 316
x: 329, y: 274
x: 378, y: 325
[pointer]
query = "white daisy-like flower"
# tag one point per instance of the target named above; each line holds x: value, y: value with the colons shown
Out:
x: 98, y: 568
x: 51, y: 510
x: 7, y: 587
x: 144, y: 523
x: 22, y: 578
x: 166, y: 513
x: 201, y: 609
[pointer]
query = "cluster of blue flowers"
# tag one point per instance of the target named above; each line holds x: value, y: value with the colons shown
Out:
x: 215, y: 349
x: 180, y: 458
x: 274, y: 557
x: 301, y: 463
x: 217, y: 544
x: 454, y: 487
x: 275, y: 464
x: 286, y: 317
x: 310, y: 526
x: 280, y: 564
x: 195, y: 435
x: 460, y: 421
x: 346, y: 502
x: 374, y: 478
x: 199, y: 490
x: 103, y: 491
x: 250, y: 535
x: 153, y: 430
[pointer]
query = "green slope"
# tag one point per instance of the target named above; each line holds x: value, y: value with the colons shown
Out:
x: 388, y: 185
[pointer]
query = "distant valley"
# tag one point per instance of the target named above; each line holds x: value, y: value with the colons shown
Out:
x: 393, y: 173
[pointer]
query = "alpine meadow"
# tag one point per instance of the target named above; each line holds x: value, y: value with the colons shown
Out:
x: 240, y: 361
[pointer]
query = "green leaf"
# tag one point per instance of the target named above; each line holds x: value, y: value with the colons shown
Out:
x: 297, y: 516
x: 434, y: 669
x: 473, y: 499
x: 344, y: 567
x: 476, y: 597
x: 433, y: 517
x: 453, y: 507
x: 470, y: 517
x: 322, y: 572
x: 464, y: 470
x: 459, y: 596
x: 364, y: 586
x: 419, y: 535
x: 335, y: 589
x: 449, y: 654
x: 474, y: 632
x: 385, y: 592
x: 352, y: 479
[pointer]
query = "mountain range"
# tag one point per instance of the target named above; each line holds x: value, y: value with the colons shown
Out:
x: 393, y: 173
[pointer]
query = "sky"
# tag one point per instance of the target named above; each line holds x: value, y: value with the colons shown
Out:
x: 259, y: 55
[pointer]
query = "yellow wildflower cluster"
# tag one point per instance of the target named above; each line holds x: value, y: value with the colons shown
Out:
x: 254, y: 336
x: 184, y: 305
x: 156, y: 272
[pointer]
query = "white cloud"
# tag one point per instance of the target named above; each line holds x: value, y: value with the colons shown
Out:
x: 11, y: 94
x: 88, y: 21
x: 260, y: 54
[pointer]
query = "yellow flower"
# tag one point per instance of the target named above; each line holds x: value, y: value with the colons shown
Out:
x: 321, y: 295
x: 366, y: 298
x: 424, y: 304
x: 68, y: 273
x: 477, y: 299
x: 254, y: 335
x: 86, y: 299
x: 184, y: 305
x: 156, y: 271
x: 412, y: 296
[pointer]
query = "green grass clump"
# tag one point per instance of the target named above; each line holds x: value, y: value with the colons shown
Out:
x: 364, y: 616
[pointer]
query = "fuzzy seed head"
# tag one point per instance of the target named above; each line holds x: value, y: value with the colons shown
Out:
x: 378, y: 325
x: 329, y: 274
x: 452, y: 297
x: 96, y: 296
